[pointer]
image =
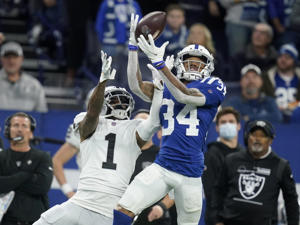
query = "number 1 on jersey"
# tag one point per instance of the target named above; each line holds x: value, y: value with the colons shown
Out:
x: 109, y: 164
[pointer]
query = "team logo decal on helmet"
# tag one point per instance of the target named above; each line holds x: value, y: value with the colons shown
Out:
x: 118, y: 103
x: 206, y: 61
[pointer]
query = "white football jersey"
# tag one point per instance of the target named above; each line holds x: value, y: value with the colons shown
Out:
x: 73, y: 138
x: 108, y: 160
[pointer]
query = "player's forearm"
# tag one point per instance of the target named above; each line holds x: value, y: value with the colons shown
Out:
x: 152, y: 124
x: 89, y: 123
x: 180, y: 92
x: 135, y: 81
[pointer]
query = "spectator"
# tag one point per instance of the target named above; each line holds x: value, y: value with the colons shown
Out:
x: 49, y: 27
x: 241, y: 17
x: 2, y: 38
x: 247, y: 189
x: 175, y: 31
x: 82, y: 44
x: 252, y: 103
x: 294, y: 27
x: 201, y: 35
x: 19, y: 90
x: 24, y: 170
x: 279, y: 12
x: 259, y: 52
x: 227, y: 126
x: 283, y: 80
x: 113, y: 22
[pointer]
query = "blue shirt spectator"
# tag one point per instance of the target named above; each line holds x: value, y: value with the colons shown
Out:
x: 113, y: 22
x: 175, y: 31
x: 253, y: 104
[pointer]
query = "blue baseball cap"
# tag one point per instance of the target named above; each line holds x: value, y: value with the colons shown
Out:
x: 290, y: 50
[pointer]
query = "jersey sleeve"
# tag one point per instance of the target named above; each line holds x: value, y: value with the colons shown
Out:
x: 214, y: 90
x: 73, y: 137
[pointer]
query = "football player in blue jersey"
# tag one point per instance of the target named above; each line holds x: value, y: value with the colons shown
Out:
x: 190, y: 102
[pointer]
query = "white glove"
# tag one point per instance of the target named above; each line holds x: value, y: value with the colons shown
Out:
x: 170, y: 62
x: 157, y: 81
x: 154, y: 53
x: 133, y: 23
x: 106, y: 73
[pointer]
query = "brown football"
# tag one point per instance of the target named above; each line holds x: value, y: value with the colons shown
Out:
x: 152, y: 23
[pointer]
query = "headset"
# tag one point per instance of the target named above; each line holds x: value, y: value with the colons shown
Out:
x: 8, y: 119
x: 257, y: 123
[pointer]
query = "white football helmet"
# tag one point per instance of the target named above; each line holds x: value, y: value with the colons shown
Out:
x: 118, y: 103
x: 193, y: 73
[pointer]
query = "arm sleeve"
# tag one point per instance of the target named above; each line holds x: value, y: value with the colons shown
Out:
x: 290, y: 196
x: 41, y: 181
x: 132, y: 68
x: 182, y: 97
x: 149, y: 126
x: 9, y: 183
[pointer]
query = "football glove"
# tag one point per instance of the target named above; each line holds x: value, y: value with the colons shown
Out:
x: 133, y: 23
x: 155, y: 54
x: 106, y: 73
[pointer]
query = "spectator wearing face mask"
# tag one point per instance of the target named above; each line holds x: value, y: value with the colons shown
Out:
x: 227, y: 126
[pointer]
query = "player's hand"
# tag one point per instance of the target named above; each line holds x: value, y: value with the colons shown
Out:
x: 106, y: 73
x: 155, y: 213
x: 170, y: 62
x: 133, y: 23
x: 157, y: 81
x: 155, y: 54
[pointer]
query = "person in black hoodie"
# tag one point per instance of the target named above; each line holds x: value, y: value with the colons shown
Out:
x: 227, y: 126
x: 248, y: 187
x: 25, y: 170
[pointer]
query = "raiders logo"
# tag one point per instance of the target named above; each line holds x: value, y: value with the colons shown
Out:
x: 250, y: 185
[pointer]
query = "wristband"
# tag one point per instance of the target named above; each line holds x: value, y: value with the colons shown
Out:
x: 66, y: 188
x: 133, y: 47
x: 159, y: 65
x: 164, y: 208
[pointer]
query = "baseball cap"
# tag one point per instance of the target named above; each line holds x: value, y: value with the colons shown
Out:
x: 250, y: 67
x: 260, y: 124
x: 290, y: 50
x: 11, y: 47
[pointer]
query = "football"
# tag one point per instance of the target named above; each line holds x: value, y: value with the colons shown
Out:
x: 152, y: 23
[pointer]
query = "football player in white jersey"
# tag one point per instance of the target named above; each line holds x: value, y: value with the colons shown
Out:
x: 109, y: 145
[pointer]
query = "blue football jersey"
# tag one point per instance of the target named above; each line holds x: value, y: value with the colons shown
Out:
x: 184, y: 128
x: 285, y: 91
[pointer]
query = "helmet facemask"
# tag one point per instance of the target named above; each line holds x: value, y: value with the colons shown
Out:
x: 196, y: 68
x: 118, y: 103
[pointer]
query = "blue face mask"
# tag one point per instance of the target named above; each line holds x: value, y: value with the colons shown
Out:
x: 228, y: 131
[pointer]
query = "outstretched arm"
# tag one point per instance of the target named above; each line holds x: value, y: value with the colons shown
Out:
x: 143, y: 89
x: 148, y: 127
x: 176, y: 87
x: 62, y: 156
x: 89, y: 123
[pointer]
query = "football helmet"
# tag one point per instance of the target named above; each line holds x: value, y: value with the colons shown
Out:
x: 118, y: 103
x: 193, y: 73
